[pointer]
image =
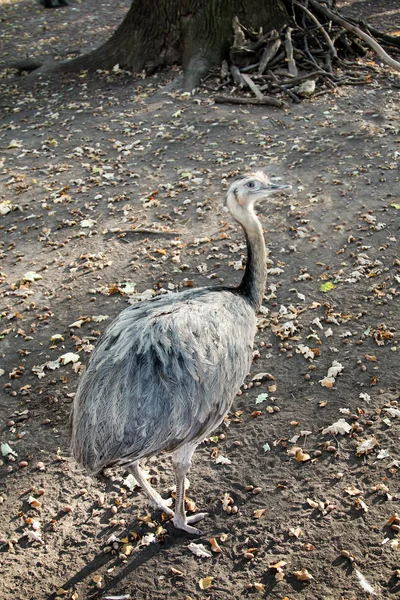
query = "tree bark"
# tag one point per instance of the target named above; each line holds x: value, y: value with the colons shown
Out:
x: 196, y: 34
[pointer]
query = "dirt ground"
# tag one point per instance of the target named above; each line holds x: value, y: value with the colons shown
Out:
x: 113, y: 186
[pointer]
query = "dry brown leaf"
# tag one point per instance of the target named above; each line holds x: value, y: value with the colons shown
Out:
x: 353, y: 491
x: 260, y: 587
x: 393, y: 519
x: 279, y: 565
x: 279, y: 575
x: 312, y: 503
x: 327, y: 382
x: 302, y: 456
x: 190, y: 505
x: 295, y: 532
x: 371, y: 357
x: 127, y: 549
x: 177, y: 572
x: 257, y: 514
x: 360, y: 504
x: 205, y: 582
x: 303, y: 575
x: 215, y: 547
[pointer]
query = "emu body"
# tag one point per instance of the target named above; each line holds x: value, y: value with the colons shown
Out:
x: 166, y: 371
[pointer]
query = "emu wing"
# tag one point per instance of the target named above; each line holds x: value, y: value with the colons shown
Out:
x: 164, y: 374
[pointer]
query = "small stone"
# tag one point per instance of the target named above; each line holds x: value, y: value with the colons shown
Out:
x: 257, y: 490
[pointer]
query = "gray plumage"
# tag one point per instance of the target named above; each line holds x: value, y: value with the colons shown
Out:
x: 166, y: 371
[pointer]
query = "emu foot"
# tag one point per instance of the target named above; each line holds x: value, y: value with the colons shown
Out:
x: 184, y: 524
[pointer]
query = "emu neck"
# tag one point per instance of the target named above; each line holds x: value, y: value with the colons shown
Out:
x: 252, y: 286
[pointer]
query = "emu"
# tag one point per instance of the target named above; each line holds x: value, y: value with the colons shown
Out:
x: 166, y: 371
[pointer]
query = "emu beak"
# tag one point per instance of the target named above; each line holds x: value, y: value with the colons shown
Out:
x: 278, y: 186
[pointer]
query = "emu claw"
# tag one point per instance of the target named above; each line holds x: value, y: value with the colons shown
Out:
x: 178, y: 524
x: 197, y: 517
x: 184, y: 525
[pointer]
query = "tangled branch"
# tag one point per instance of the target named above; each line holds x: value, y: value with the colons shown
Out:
x: 316, y: 53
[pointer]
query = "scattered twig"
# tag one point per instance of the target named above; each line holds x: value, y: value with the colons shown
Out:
x: 356, y: 31
x: 234, y: 100
x: 269, y: 51
x: 254, y: 88
x: 287, y: 91
x: 289, y: 53
x: 319, y: 26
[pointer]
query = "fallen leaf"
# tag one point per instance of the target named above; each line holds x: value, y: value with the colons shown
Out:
x: 295, y: 532
x: 365, y: 445
x: 177, y: 572
x: 6, y: 450
x: 261, y: 398
x: 360, y: 504
x: 222, y: 460
x: 205, y: 582
x: 68, y: 358
x: 279, y: 565
x: 339, y: 427
x: 87, y: 223
x: 199, y: 550
x: 326, y: 287
x: 353, y: 491
x: 303, y: 575
x: 393, y: 412
x: 257, y: 514
x: 302, y: 456
x: 32, y: 276
x: 215, y: 547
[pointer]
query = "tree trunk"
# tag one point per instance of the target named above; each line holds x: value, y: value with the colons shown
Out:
x: 196, y: 34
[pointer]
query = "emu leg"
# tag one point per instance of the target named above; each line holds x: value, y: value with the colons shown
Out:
x: 154, y: 496
x: 181, y: 460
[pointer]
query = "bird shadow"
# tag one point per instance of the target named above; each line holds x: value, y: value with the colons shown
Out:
x: 138, y: 558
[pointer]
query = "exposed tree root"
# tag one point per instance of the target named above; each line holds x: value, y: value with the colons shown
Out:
x: 311, y: 54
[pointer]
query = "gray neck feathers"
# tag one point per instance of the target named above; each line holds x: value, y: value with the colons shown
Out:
x: 252, y: 286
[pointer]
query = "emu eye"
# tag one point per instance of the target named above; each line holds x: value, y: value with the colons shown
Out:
x: 251, y: 184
